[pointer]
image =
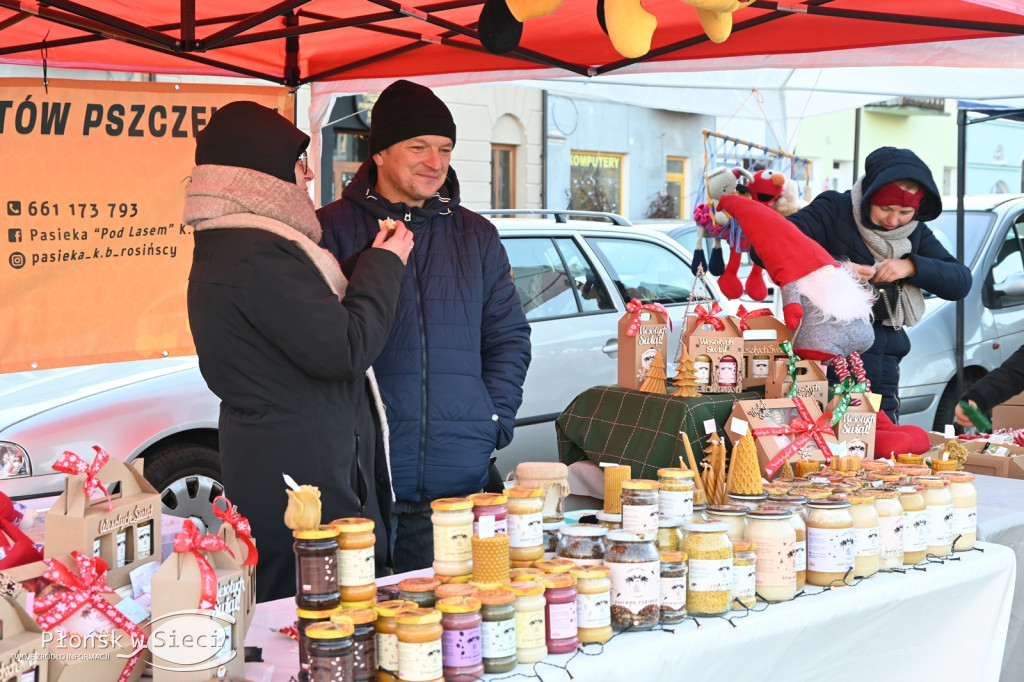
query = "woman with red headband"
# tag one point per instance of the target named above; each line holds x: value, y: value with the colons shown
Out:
x: 879, y: 226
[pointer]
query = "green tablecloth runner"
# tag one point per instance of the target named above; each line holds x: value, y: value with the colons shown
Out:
x: 615, y: 424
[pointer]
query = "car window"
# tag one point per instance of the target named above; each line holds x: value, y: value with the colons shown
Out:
x: 644, y: 270
x: 554, y: 278
x: 976, y: 227
x: 1008, y: 260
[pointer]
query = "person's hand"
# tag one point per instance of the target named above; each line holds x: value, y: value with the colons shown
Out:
x: 892, y: 270
x: 863, y: 273
x: 961, y: 418
x: 400, y: 243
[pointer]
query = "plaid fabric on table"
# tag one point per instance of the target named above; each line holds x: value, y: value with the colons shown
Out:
x: 620, y: 425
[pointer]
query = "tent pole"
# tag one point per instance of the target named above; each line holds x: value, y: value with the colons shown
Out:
x: 856, y: 147
x: 961, y: 182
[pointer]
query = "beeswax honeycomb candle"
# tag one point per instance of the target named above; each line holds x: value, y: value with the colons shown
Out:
x: 806, y: 466
x: 613, y: 478
x: 490, y: 559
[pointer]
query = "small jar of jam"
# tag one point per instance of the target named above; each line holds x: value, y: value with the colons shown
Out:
x: 364, y: 641
x: 593, y: 603
x: 303, y: 619
x: 419, y: 634
x: 462, y: 654
x: 490, y: 504
x: 728, y: 373
x: 452, y: 519
x: 419, y: 590
x: 330, y: 651
x: 498, y: 629
x: 531, y: 628
x: 316, y: 568
x: 356, y: 564
x: 387, y: 637
x: 560, y: 613
x: 525, y: 525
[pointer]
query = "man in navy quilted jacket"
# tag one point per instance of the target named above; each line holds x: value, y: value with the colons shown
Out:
x: 452, y: 370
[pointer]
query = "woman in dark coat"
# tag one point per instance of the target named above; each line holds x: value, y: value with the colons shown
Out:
x: 879, y: 226
x: 995, y: 388
x: 283, y: 339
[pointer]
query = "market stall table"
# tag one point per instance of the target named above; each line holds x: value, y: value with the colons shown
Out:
x: 946, y: 622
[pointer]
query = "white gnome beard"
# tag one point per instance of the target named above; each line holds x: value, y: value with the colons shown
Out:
x: 837, y: 293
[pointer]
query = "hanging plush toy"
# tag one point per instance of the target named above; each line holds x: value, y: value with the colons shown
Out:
x: 716, y: 16
x: 724, y: 182
x: 720, y: 182
x: 766, y: 187
x: 629, y: 26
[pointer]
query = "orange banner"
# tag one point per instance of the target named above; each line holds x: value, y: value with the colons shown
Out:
x: 94, y: 258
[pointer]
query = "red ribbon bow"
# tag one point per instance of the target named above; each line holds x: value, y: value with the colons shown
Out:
x: 189, y: 540
x: 241, y: 525
x: 88, y: 587
x: 744, y: 315
x: 804, y: 430
x: 636, y: 306
x: 708, y: 317
x: 71, y: 463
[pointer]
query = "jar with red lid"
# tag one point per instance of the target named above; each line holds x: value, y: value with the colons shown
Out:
x: 490, y: 504
x: 462, y: 654
x: 561, y: 632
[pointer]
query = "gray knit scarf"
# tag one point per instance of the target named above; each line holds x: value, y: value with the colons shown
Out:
x: 891, y: 244
x: 226, y: 197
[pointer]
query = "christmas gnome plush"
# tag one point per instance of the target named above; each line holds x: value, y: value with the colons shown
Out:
x: 823, y: 302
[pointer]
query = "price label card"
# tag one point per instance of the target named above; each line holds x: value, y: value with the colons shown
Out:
x: 710, y: 427
x: 949, y: 432
x: 738, y: 426
x: 486, y: 528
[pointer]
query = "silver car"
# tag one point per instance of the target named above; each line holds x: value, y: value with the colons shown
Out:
x: 574, y: 271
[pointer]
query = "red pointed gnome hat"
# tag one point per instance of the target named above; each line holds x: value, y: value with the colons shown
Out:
x: 787, y: 253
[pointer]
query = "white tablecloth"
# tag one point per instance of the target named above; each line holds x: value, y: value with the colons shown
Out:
x: 1001, y: 520
x: 948, y: 622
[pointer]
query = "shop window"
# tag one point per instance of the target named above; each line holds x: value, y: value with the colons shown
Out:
x: 595, y: 181
x: 350, y: 150
x: 503, y: 176
x: 675, y: 183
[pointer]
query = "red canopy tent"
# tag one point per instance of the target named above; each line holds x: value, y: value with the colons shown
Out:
x: 293, y: 42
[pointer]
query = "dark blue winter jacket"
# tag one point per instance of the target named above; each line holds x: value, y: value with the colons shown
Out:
x: 452, y: 370
x: 829, y: 221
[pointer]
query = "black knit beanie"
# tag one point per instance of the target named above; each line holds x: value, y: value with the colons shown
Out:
x: 250, y: 135
x: 405, y: 110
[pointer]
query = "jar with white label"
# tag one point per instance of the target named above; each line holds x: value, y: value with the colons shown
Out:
x: 866, y: 543
x: 673, y: 587
x: 744, y: 575
x: 498, y: 630
x: 733, y: 515
x: 965, y: 509
x: 452, y: 520
x: 593, y: 603
x: 915, y: 542
x: 796, y: 504
x: 525, y: 525
x: 640, y: 506
x: 775, y: 540
x: 709, y: 568
x: 583, y: 543
x: 938, y: 501
x: 702, y: 369
x: 830, y: 541
x: 675, y: 495
x: 636, y: 593
x: 531, y: 626
x: 890, y: 528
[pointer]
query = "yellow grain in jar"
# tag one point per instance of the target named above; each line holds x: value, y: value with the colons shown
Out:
x: 676, y: 498
x: 670, y: 532
x: 709, y: 567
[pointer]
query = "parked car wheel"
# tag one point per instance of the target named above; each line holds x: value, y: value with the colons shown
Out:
x: 188, y: 478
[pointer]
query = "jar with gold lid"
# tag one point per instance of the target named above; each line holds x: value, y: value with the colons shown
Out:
x: 912, y: 470
x: 559, y: 565
x: 865, y: 534
x: 675, y: 494
x: 583, y: 543
x: 303, y: 619
x: 965, y: 509
x: 330, y: 651
x: 772, y: 530
x: 446, y: 590
x: 524, y: 574
x: 387, y: 637
x: 890, y: 527
x: 525, y: 525
x: 744, y: 574
x: 560, y: 617
x: 316, y: 568
x: 830, y: 541
x: 673, y: 587
x: 593, y: 603
x: 733, y: 515
x: 531, y: 626
x: 494, y: 505
x: 635, y: 563
x: 356, y: 564
x: 452, y: 520
x: 938, y: 502
x: 640, y: 504
x: 796, y: 504
x: 915, y: 523
x: 364, y: 641
x: 419, y: 590
x: 709, y: 564
x: 419, y: 634
x: 498, y: 629
x: 461, y: 652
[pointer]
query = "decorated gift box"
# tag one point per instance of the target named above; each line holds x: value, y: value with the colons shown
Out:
x: 22, y: 653
x: 784, y: 429
x: 793, y: 377
x: 237, y: 536
x: 643, y: 334
x: 854, y: 408
x: 201, y: 575
x: 762, y: 334
x: 122, y: 527
x: 715, y: 345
